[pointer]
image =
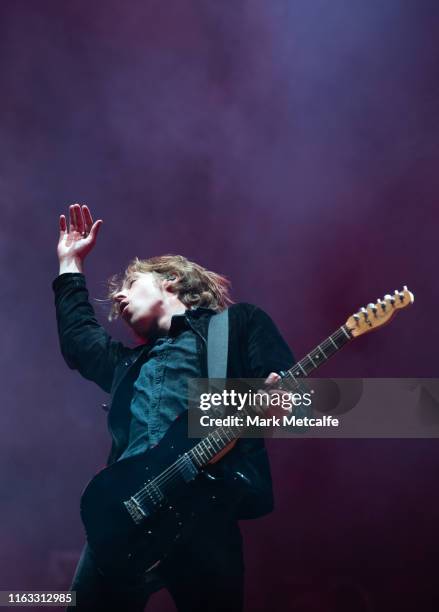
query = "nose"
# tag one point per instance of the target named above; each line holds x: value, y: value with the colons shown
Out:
x: 119, y: 296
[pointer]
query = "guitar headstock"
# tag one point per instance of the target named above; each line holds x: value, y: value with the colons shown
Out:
x: 375, y: 315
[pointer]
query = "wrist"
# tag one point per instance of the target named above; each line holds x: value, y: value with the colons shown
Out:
x: 71, y: 265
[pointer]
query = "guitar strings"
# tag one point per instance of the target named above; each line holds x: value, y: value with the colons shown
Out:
x: 173, y: 471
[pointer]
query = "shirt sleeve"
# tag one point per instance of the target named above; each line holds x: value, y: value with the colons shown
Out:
x: 84, y: 343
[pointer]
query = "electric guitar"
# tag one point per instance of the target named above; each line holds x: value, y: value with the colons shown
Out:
x: 136, y: 510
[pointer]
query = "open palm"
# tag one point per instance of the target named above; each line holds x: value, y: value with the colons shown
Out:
x: 76, y: 241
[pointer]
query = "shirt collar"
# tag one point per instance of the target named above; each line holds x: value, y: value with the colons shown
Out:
x: 198, y: 312
x: 180, y: 322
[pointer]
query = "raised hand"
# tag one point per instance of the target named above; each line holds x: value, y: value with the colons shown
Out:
x: 76, y: 241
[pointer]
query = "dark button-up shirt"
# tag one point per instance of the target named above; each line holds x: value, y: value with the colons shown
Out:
x: 160, y: 391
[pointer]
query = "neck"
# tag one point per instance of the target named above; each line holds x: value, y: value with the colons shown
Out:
x: 172, y: 307
x: 162, y: 324
x: 161, y: 320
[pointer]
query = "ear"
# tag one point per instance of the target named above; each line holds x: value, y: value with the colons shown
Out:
x: 170, y: 282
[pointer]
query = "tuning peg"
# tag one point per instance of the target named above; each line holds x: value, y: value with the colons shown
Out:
x: 357, y: 318
x: 372, y: 307
x: 382, y: 303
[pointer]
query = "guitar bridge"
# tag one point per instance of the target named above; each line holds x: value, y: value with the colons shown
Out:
x: 135, y: 510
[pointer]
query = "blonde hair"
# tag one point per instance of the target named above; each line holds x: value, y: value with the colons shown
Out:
x: 195, y: 285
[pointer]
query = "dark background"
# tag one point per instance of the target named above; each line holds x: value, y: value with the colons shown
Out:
x: 291, y: 145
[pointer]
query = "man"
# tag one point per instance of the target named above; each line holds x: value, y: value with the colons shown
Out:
x: 167, y: 302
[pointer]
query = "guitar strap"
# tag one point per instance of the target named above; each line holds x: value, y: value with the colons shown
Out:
x: 218, y: 345
x: 246, y: 474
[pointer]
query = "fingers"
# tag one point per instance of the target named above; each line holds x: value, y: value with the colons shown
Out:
x: 88, y: 219
x: 272, y: 388
x: 79, y: 218
x: 81, y: 222
x: 62, y: 224
x: 95, y: 229
x: 76, y: 219
x: 272, y: 379
x: 72, y: 223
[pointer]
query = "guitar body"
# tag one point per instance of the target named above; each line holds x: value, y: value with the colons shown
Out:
x: 128, y: 549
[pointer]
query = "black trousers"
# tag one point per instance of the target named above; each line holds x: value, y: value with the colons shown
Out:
x: 206, y: 574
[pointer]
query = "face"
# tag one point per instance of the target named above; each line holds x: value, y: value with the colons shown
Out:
x: 141, y: 302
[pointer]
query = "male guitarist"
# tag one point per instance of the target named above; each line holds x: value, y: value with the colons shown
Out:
x: 168, y: 301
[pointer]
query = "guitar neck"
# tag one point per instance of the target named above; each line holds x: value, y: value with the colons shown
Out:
x: 215, y: 442
x: 319, y: 355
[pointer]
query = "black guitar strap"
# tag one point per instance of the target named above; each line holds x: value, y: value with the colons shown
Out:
x: 218, y: 345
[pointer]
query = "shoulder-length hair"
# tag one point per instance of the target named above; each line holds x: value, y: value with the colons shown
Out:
x: 195, y: 285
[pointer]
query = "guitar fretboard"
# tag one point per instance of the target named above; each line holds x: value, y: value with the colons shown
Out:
x: 319, y: 355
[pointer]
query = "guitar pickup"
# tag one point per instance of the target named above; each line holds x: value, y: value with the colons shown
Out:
x: 188, y: 470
